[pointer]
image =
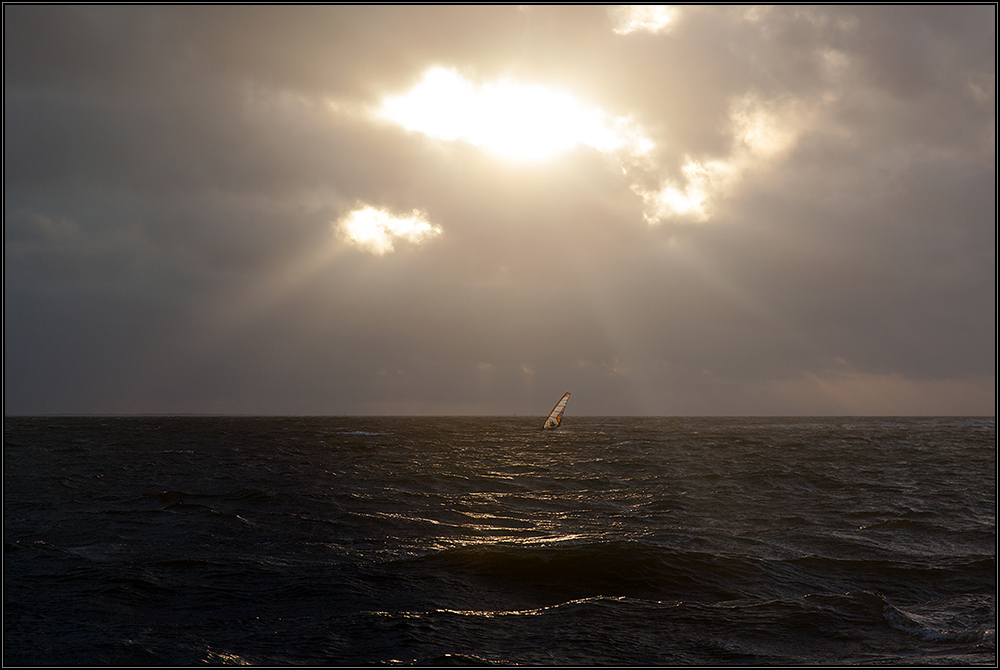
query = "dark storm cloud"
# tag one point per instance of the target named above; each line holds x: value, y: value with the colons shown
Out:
x: 172, y: 175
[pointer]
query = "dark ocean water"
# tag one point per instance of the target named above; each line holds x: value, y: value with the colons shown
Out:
x: 632, y: 541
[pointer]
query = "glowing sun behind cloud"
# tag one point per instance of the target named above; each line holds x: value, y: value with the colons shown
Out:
x: 513, y: 120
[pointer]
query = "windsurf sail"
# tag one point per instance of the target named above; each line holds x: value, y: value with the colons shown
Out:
x: 555, y: 416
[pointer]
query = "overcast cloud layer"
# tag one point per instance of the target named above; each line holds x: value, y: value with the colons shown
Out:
x: 205, y: 212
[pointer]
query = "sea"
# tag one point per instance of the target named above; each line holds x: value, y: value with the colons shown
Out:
x: 443, y: 541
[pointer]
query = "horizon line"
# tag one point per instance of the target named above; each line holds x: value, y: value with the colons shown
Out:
x: 484, y: 416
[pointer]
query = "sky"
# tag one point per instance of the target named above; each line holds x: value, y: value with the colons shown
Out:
x: 328, y: 210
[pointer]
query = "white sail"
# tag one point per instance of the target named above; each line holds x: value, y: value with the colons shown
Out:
x: 555, y: 416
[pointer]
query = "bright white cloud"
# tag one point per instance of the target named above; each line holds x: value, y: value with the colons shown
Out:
x: 762, y: 131
x: 650, y: 18
x: 510, y: 119
x: 375, y: 229
x: 690, y: 199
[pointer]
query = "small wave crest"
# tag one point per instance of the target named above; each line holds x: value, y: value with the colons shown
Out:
x: 968, y: 618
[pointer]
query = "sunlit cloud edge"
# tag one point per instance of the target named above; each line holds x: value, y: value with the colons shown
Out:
x: 376, y: 229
